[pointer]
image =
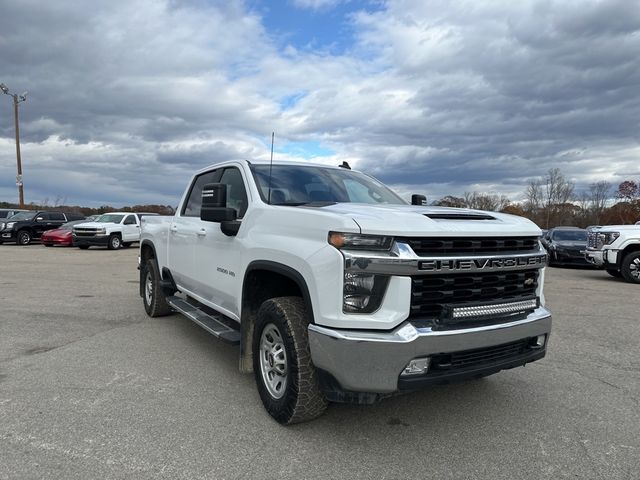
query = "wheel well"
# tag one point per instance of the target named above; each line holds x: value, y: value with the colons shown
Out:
x: 261, y: 284
x: 146, y: 252
x: 630, y: 248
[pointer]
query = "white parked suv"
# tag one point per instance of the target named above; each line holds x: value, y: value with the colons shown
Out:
x: 338, y: 290
x: 112, y: 230
x: 616, y: 248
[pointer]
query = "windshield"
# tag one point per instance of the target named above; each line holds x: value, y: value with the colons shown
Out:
x: 298, y: 185
x: 570, y: 235
x: 23, y: 216
x: 109, y: 218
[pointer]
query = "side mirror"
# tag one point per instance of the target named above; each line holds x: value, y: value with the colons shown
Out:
x: 39, y: 219
x: 417, y: 199
x: 214, y: 204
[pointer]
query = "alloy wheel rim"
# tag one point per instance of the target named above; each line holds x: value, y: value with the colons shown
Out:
x: 273, y: 361
x: 148, y: 288
x: 115, y: 242
x: 634, y: 268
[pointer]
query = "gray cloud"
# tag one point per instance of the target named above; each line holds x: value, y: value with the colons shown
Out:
x: 128, y: 98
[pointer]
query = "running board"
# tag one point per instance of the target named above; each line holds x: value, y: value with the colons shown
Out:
x: 212, y: 324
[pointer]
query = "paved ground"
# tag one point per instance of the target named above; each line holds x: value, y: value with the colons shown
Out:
x: 90, y: 387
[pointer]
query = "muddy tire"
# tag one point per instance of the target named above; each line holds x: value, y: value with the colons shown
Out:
x: 153, y: 297
x: 285, y: 375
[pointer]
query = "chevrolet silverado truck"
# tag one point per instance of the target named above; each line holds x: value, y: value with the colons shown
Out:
x: 112, y: 230
x: 337, y: 290
x: 616, y: 248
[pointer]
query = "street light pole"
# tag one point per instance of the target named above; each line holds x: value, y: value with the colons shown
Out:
x: 16, y: 100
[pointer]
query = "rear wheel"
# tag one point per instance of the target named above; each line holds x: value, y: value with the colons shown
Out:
x: 153, y: 297
x: 285, y: 375
x: 630, y: 267
x: 24, y: 237
x: 114, y: 242
x: 614, y: 273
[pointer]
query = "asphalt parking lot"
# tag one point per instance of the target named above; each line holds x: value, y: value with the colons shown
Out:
x: 90, y: 387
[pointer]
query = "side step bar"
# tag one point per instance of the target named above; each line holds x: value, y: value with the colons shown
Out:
x: 212, y: 324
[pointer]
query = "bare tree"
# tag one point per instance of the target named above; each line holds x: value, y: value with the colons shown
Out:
x: 598, y: 196
x: 557, y: 193
x: 485, y: 201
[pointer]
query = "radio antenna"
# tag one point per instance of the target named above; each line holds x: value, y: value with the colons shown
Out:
x: 270, y: 168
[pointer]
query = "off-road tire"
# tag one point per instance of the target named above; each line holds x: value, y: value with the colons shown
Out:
x: 114, y: 242
x: 630, y: 267
x: 614, y: 273
x: 302, y: 399
x: 153, y: 297
x: 83, y: 247
x: 24, y: 237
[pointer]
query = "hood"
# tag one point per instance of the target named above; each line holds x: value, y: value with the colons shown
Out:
x: 617, y: 228
x: 415, y: 220
x: 95, y: 225
x: 57, y: 231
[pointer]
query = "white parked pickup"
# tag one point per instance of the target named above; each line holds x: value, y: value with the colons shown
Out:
x: 112, y: 230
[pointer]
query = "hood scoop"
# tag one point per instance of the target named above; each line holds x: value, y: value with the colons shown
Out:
x: 459, y: 216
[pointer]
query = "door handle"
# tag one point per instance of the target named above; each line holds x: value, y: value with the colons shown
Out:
x: 173, y: 228
x: 202, y: 232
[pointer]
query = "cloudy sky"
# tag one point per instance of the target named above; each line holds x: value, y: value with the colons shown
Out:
x: 127, y: 98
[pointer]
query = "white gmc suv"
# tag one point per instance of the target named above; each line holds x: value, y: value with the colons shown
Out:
x: 338, y: 290
x: 616, y: 248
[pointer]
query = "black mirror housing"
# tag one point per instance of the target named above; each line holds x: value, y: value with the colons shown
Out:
x: 214, y: 204
x: 417, y: 199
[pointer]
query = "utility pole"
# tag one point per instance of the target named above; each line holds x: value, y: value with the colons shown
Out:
x: 16, y: 100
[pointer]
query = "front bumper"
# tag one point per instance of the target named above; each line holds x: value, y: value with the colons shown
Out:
x: 8, y: 235
x: 594, y: 257
x: 371, y: 362
x: 90, y: 241
x: 569, y: 257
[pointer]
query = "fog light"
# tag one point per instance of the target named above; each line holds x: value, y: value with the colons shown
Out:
x: 539, y: 341
x: 417, y: 366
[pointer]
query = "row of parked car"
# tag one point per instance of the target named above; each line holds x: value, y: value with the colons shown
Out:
x: 613, y: 248
x: 112, y: 230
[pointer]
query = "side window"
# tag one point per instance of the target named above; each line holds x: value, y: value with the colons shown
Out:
x: 56, y: 216
x: 194, y: 200
x: 130, y: 220
x: 43, y: 216
x: 236, y: 193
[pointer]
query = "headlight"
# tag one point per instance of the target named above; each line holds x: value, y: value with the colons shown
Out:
x: 101, y: 231
x: 363, y: 292
x: 607, y: 238
x: 10, y: 225
x: 356, y: 241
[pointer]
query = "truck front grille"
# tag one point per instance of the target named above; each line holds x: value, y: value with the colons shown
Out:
x: 431, y: 293
x: 84, y: 232
x: 427, y: 246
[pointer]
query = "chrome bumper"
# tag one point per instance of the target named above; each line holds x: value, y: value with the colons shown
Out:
x: 595, y: 257
x: 369, y: 361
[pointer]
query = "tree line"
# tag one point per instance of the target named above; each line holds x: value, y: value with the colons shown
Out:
x: 56, y: 206
x: 552, y: 200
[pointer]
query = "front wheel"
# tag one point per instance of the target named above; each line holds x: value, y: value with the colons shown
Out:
x: 114, y: 242
x: 153, y: 297
x: 24, y: 237
x: 630, y: 267
x: 285, y: 375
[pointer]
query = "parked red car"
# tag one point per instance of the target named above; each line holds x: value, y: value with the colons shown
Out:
x: 61, y: 236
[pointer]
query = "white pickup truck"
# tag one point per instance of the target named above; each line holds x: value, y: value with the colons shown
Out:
x: 112, y: 230
x: 616, y: 248
x: 338, y: 290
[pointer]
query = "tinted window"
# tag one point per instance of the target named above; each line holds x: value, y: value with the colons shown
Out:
x: 56, y: 216
x: 236, y: 193
x: 194, y: 201
x: 296, y: 184
x: 43, y: 216
x: 4, y: 214
x: 109, y: 218
x: 570, y: 235
x: 23, y: 216
x: 130, y: 220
